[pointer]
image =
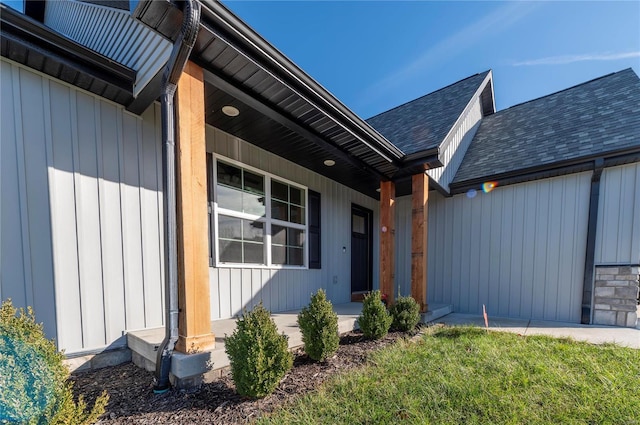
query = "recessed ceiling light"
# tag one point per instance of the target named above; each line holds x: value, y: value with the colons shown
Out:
x: 230, y: 111
x: 329, y: 162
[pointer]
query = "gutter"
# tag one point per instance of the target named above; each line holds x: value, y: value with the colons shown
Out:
x: 179, y: 56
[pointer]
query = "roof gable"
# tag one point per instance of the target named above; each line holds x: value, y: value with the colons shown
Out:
x: 423, y: 123
x: 595, y: 118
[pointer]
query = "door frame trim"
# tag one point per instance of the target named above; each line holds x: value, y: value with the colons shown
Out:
x: 369, y: 213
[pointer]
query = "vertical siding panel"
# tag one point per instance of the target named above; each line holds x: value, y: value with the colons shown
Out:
x: 266, y: 288
x: 529, y: 264
x: 36, y: 214
x: 475, y: 217
x: 214, y: 294
x: 612, y: 212
x: 235, y: 282
x: 554, y: 254
x: 618, y: 234
x: 506, y: 248
x: 63, y: 217
x: 566, y: 240
x: 88, y: 224
x: 224, y: 286
x: 458, y: 237
x: 540, y: 249
x: 160, y: 199
x: 465, y: 258
x: 634, y: 250
x: 109, y: 192
x: 131, y: 229
x: 494, y: 215
x: 151, y: 253
x: 517, y: 259
x: 12, y: 270
x: 245, y: 288
x: 256, y: 287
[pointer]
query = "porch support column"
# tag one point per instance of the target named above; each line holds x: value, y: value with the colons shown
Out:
x: 194, y: 320
x: 419, y: 211
x: 387, y: 238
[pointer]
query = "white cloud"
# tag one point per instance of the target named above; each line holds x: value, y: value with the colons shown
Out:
x: 565, y: 59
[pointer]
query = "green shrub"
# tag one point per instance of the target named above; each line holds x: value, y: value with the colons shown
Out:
x: 33, y: 380
x: 319, y: 326
x: 375, y: 320
x: 259, y: 356
x: 405, y: 313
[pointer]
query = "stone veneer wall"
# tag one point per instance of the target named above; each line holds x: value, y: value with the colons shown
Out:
x: 616, y: 295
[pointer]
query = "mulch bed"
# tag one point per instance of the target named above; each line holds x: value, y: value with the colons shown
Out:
x: 131, y: 399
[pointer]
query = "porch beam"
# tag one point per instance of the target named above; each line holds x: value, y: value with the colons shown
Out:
x: 387, y: 238
x: 419, y: 226
x: 194, y: 320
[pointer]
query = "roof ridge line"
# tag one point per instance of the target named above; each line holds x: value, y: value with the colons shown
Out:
x: 427, y: 94
x: 563, y: 90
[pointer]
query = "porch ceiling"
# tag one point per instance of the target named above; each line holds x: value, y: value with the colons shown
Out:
x: 282, y: 109
x: 284, y: 137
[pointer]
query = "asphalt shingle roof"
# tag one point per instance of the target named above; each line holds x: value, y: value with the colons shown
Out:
x: 423, y: 123
x: 596, y: 117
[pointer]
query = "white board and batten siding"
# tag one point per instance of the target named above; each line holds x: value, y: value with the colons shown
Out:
x: 519, y: 249
x: 458, y: 141
x: 282, y: 289
x: 618, y: 236
x: 81, y: 211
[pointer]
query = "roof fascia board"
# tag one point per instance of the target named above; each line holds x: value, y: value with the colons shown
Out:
x: 245, y: 40
x: 27, y: 31
x: 452, y: 131
x: 611, y: 159
x: 268, y: 111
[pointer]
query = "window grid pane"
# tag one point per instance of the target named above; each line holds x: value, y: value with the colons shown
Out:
x: 287, y: 202
x: 242, y: 241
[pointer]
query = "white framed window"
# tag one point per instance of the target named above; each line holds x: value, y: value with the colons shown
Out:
x: 259, y: 220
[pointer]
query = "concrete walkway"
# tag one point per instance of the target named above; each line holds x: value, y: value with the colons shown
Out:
x: 626, y: 337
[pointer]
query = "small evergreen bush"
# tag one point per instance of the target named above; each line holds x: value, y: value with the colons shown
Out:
x: 259, y: 356
x: 319, y: 326
x: 375, y: 320
x: 34, y: 385
x: 405, y: 313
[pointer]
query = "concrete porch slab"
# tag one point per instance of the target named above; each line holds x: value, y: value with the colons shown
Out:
x: 189, y: 370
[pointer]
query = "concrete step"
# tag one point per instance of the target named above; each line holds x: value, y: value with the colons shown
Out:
x: 436, y: 311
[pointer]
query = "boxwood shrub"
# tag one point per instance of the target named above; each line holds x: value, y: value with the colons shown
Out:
x: 34, y: 382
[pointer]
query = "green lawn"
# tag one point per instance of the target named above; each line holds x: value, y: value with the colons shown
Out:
x: 467, y: 376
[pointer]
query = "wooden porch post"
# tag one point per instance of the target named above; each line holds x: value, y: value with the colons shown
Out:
x: 419, y: 211
x: 387, y: 238
x: 194, y: 320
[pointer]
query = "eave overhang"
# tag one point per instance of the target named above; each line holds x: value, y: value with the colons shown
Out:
x: 543, y: 171
x: 307, y: 122
x: 29, y: 42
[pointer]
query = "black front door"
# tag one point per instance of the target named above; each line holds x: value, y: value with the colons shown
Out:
x: 361, y: 250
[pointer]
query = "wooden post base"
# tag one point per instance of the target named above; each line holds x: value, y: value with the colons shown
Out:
x: 195, y: 344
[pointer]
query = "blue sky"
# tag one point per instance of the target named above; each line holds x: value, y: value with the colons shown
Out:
x: 374, y: 55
